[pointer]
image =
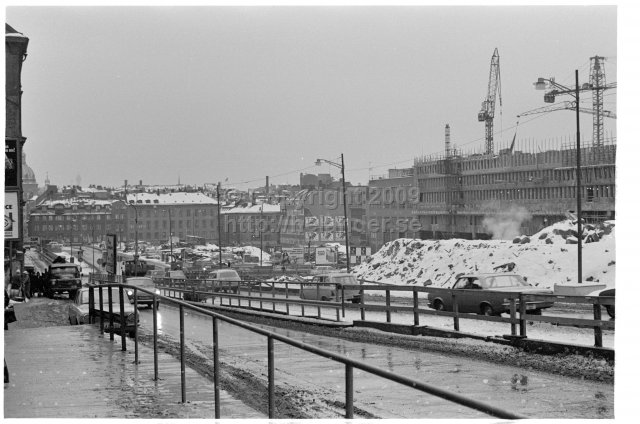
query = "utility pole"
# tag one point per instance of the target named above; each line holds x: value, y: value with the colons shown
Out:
x: 578, y: 180
x: 219, y: 232
x: 346, y: 218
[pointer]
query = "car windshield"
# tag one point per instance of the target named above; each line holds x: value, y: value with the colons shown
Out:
x: 502, y: 281
x: 115, y: 299
x: 140, y: 282
x: 67, y: 272
x: 345, y: 279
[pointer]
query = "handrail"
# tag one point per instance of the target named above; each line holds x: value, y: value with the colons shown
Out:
x: 348, y: 362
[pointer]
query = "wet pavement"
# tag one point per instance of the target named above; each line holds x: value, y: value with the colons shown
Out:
x: 531, y: 393
x: 75, y: 372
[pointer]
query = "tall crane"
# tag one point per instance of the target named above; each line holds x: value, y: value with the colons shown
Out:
x: 488, y: 107
x: 569, y: 105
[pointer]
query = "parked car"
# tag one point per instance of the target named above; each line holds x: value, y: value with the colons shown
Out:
x: 79, y: 308
x: 224, y: 280
x: 63, y: 277
x: 488, y: 294
x: 328, y: 287
x: 611, y: 309
x: 143, y: 298
x: 155, y: 273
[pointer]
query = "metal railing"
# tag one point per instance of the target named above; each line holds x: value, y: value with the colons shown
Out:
x: 348, y: 363
x: 256, y: 293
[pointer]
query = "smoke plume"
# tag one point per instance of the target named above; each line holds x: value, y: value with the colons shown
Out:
x: 505, y: 224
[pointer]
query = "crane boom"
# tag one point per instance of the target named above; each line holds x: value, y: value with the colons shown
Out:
x: 567, y: 105
x: 488, y: 107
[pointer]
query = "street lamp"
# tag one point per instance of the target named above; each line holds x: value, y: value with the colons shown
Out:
x: 219, y: 232
x: 549, y: 97
x: 261, y: 222
x: 73, y: 221
x: 135, y: 255
x: 344, y: 201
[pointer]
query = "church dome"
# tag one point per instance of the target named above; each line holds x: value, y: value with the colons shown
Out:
x: 28, y: 176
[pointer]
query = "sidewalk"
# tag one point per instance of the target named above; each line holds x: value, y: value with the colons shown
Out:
x: 75, y: 372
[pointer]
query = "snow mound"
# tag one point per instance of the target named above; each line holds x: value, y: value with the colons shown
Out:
x: 545, y: 263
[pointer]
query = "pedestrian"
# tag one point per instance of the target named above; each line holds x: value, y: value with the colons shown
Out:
x: 26, y: 285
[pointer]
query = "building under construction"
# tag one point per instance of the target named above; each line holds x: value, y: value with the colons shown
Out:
x: 480, y: 195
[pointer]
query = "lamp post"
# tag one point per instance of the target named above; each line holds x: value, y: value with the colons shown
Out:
x: 135, y: 255
x: 219, y: 232
x: 73, y: 221
x: 260, y: 226
x: 344, y: 201
x: 170, y: 240
x: 549, y: 97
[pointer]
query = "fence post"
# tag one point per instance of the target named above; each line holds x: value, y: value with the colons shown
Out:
x: 523, y: 316
x: 260, y: 291
x: 92, y: 306
x: 349, y: 390
x: 273, y: 296
x: 101, y: 314
x: 155, y: 338
x: 388, y: 297
x: 110, y: 298
x: 216, y: 369
x: 286, y: 295
x: 597, y: 316
x: 318, y: 297
x: 135, y: 318
x: 361, y: 302
x: 271, y: 378
x: 456, y: 319
x: 416, y: 315
x: 512, y: 314
x: 183, y: 382
x: 123, y: 320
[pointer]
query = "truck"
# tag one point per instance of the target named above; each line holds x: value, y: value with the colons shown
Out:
x: 63, y: 277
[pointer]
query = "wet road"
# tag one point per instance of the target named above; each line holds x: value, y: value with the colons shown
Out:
x: 531, y: 393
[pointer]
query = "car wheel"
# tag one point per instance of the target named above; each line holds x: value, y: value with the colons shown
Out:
x: 438, y: 305
x: 611, y: 310
x: 355, y: 300
x: 324, y: 298
x: 486, y: 310
x: 535, y: 312
x: 131, y: 334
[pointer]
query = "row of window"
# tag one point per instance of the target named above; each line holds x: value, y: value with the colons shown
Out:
x: 165, y: 224
x: 588, y: 193
x: 550, y: 175
x: 175, y: 212
x: 69, y: 218
x: 503, y: 161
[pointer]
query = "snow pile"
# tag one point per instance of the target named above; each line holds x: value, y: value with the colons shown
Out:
x: 284, y: 279
x: 253, y: 251
x: 546, y: 258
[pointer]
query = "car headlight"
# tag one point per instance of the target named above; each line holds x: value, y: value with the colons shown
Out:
x: 157, y: 291
x: 129, y: 292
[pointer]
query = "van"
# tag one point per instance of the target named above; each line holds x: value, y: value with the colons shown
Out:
x: 328, y: 287
x: 226, y: 280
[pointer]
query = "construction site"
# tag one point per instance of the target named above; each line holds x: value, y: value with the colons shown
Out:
x: 526, y: 185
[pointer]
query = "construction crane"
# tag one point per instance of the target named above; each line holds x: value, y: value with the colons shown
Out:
x: 597, y: 85
x: 568, y: 105
x: 489, y: 104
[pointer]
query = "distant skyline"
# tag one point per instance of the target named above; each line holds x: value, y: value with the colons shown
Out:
x: 203, y: 94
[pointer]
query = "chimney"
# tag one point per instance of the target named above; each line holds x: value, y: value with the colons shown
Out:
x: 447, y: 141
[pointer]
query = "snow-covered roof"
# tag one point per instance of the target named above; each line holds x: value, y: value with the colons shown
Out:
x: 171, y: 199
x: 76, y: 201
x: 255, y: 209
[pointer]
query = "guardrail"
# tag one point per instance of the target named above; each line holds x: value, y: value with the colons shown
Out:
x: 259, y: 292
x: 349, y: 363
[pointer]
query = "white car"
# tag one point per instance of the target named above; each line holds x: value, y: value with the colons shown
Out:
x: 79, y: 308
x: 143, y: 298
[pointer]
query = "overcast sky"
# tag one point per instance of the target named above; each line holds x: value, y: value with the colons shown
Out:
x: 202, y: 94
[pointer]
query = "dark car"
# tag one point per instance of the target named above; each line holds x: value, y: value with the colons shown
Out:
x: 143, y: 298
x: 488, y: 294
x: 611, y: 309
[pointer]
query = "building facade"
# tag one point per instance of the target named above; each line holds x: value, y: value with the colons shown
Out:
x: 463, y: 195
x: 78, y: 220
x: 181, y: 214
x: 252, y: 225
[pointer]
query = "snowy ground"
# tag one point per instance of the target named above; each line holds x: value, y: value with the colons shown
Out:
x: 546, y: 258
